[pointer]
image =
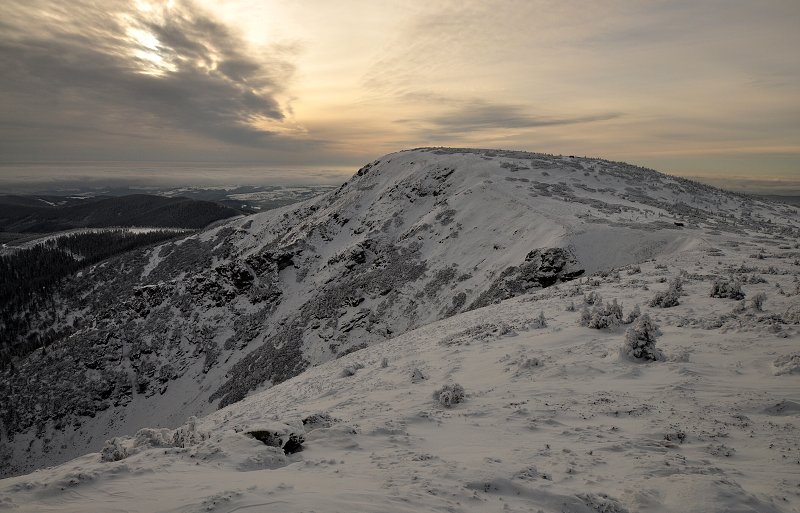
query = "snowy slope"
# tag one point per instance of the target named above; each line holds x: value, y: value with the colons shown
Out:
x: 554, y: 418
x: 415, y: 237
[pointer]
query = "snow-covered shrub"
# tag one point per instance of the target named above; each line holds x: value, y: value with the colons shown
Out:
x: 586, y: 316
x: 592, y: 298
x: 529, y: 363
x: 188, y: 434
x: 113, y: 450
x: 540, y: 321
x: 640, y: 340
x: 119, y: 448
x: 665, y: 299
x: 727, y: 289
x: 350, y: 370
x: 787, y: 364
x: 792, y: 315
x: 602, y: 503
x: 449, y: 395
x: 670, y: 297
x: 605, y: 315
x: 757, y: 302
x: 633, y: 315
x: 154, y: 437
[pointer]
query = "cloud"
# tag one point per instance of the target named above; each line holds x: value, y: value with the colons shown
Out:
x: 480, y: 115
x: 464, y: 117
x: 135, y: 67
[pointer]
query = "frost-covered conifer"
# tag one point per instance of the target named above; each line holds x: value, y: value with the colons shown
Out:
x: 640, y: 340
x: 540, y: 321
x: 633, y: 315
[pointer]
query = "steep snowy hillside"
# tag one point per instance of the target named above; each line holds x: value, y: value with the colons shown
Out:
x: 554, y: 417
x: 415, y: 237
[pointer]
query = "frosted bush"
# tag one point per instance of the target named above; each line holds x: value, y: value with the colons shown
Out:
x: 727, y: 289
x: 350, y: 370
x: 758, y: 302
x: 188, y: 434
x: 634, y: 270
x: 586, y: 316
x: 670, y: 297
x: 540, y: 321
x: 154, y: 437
x: 449, y: 395
x: 119, y: 448
x: 592, y: 298
x: 640, y: 340
x: 633, y: 315
x: 605, y: 315
x: 787, y: 364
x: 665, y: 299
x: 113, y: 450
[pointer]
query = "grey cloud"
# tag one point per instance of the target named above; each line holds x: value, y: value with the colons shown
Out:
x: 477, y: 116
x: 80, y: 71
x: 480, y: 115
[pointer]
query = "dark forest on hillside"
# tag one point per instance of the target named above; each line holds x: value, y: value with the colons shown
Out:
x: 28, y: 279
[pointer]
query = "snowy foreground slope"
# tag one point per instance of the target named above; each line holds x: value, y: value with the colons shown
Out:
x: 151, y: 338
x: 554, y: 418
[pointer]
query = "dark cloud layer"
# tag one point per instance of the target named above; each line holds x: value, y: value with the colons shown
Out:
x: 470, y: 116
x: 479, y: 115
x: 72, y: 67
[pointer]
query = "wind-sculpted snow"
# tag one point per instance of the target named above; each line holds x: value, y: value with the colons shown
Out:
x: 155, y: 336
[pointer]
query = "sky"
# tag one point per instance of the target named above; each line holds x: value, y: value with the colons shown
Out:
x: 707, y: 89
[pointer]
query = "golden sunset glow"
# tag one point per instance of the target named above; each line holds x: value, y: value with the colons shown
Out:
x: 673, y: 85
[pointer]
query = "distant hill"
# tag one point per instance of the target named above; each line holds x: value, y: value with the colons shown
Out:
x: 790, y: 200
x: 34, y: 214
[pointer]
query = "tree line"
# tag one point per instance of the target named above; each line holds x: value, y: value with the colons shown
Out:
x: 29, y: 277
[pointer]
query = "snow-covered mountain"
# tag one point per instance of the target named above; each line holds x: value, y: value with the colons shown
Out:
x: 418, y: 236
x: 554, y: 418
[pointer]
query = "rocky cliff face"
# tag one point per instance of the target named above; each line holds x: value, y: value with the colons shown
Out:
x: 154, y: 336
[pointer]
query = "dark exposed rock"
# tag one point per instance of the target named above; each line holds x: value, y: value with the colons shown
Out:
x: 541, y: 268
x: 289, y: 441
x: 318, y: 420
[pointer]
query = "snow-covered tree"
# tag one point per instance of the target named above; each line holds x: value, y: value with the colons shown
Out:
x: 640, y: 340
x: 633, y: 314
x: 540, y: 321
x: 758, y: 301
x: 605, y: 315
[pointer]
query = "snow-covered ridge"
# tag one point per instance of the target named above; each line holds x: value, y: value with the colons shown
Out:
x: 417, y: 236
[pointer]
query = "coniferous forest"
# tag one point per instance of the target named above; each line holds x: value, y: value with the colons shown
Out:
x: 29, y: 277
